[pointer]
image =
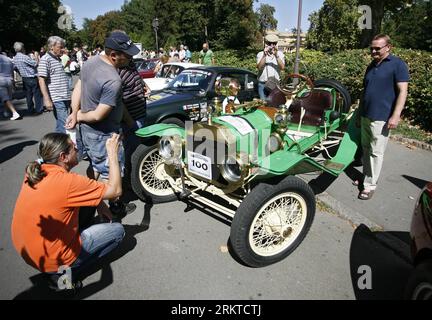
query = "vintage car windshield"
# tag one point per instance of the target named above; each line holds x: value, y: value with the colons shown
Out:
x: 169, y: 71
x: 191, y: 80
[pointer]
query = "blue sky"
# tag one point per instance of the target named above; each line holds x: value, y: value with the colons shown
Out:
x: 286, y: 10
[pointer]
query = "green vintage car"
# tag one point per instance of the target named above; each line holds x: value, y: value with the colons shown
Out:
x: 244, y: 163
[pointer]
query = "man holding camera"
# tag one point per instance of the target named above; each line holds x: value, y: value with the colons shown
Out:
x: 270, y: 63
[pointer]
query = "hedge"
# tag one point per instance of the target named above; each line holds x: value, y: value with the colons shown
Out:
x: 348, y: 67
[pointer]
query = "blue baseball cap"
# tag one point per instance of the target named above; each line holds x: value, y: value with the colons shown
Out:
x: 120, y: 41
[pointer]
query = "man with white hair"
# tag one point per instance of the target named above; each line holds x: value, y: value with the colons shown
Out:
x: 27, y: 67
x: 54, y: 82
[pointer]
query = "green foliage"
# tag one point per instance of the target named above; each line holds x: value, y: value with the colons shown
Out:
x: 245, y: 59
x: 235, y: 24
x: 266, y: 19
x: 411, y: 27
x: 419, y: 105
x: 103, y: 25
x: 138, y: 16
x: 30, y: 22
x: 230, y: 24
x: 334, y: 27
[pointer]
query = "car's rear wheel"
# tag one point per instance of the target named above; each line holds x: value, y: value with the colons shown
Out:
x: 272, y: 221
x: 419, y: 286
x: 148, y: 175
x: 340, y: 89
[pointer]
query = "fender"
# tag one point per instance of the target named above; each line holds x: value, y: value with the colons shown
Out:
x: 160, y: 130
x: 281, y: 163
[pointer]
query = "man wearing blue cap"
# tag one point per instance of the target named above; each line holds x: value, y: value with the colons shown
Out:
x: 97, y: 105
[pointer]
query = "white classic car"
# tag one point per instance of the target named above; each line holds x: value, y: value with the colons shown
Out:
x: 168, y: 72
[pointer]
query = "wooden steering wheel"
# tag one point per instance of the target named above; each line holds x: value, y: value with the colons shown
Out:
x: 293, y: 88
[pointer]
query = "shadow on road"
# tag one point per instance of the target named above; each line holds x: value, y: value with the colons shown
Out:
x: 420, y: 183
x: 387, y: 257
x: 40, y: 290
x: 324, y: 180
x: 14, y: 150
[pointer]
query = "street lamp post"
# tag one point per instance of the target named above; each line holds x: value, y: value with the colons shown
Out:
x: 297, y: 60
x: 156, y: 27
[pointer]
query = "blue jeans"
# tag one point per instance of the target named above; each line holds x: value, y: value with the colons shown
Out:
x: 61, y: 112
x: 130, y: 140
x: 97, y: 241
x: 261, y: 92
x: 94, y: 144
x: 31, y: 87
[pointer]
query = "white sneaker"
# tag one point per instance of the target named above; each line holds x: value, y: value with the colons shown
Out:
x: 15, y: 116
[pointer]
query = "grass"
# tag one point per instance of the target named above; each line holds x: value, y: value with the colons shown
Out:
x: 407, y: 130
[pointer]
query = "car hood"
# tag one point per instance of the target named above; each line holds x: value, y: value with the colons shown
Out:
x: 170, y: 97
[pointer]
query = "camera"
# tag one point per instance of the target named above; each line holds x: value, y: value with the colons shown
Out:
x: 269, y: 50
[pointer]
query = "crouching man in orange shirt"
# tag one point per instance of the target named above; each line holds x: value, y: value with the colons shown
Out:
x: 45, y: 225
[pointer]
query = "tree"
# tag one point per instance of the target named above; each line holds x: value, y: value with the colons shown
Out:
x: 30, y: 22
x: 379, y: 9
x: 266, y: 19
x: 411, y: 26
x: 335, y: 26
x: 99, y: 28
x: 229, y: 24
x: 138, y: 16
x: 235, y: 24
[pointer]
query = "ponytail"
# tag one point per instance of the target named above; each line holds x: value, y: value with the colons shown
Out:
x: 50, y: 148
x: 34, y: 173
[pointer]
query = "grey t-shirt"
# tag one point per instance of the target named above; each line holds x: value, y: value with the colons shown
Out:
x: 101, y: 84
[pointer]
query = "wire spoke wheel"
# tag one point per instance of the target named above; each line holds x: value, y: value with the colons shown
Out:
x: 272, y: 221
x: 278, y: 224
x: 148, y: 177
x: 151, y: 174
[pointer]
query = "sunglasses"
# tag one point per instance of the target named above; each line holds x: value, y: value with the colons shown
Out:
x: 271, y: 43
x: 377, y: 48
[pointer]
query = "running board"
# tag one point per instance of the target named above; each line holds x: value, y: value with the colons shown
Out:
x: 218, y: 207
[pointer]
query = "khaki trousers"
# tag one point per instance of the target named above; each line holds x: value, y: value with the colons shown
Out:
x: 374, y: 139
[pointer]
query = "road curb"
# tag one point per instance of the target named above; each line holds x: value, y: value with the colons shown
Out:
x: 416, y: 143
x: 346, y: 213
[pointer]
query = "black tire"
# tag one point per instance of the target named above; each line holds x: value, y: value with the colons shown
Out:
x: 419, y: 286
x: 144, y: 183
x: 340, y: 88
x: 250, y: 210
x: 175, y: 121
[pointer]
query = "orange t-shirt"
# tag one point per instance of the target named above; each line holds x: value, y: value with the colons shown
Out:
x: 45, y: 220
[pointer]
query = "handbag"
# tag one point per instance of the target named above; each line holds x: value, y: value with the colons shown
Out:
x: 271, y: 84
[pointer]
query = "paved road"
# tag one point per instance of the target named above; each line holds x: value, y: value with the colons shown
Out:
x: 179, y: 256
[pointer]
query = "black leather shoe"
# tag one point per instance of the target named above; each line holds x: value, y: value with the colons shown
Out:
x: 121, y: 210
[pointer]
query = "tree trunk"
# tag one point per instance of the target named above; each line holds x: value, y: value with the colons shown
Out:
x: 377, y: 7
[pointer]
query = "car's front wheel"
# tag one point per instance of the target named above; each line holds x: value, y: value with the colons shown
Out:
x: 148, y: 175
x: 272, y: 221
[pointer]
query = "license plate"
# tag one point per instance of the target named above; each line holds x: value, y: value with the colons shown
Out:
x: 200, y: 165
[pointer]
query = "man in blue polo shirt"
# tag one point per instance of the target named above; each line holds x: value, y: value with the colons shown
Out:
x: 385, y: 93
